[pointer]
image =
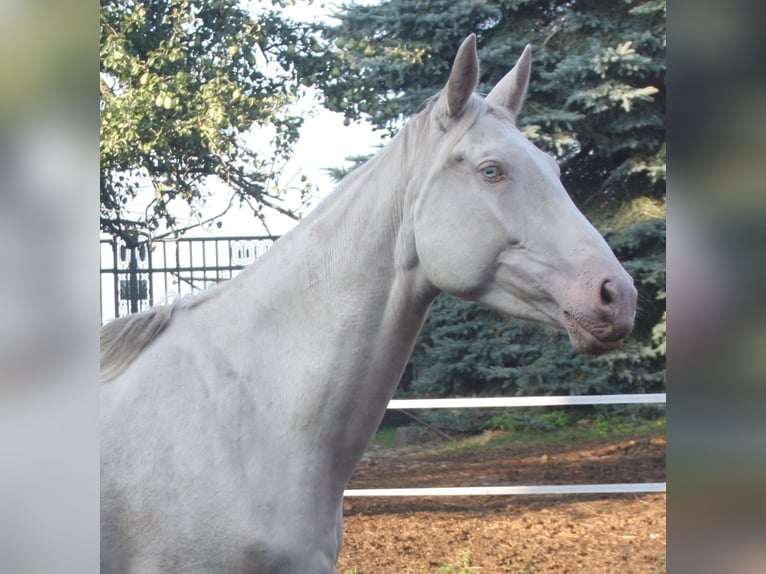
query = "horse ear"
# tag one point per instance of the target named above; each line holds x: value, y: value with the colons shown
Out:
x: 463, y: 78
x: 510, y: 91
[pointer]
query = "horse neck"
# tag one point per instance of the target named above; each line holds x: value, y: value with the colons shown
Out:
x: 361, y: 238
x: 346, y: 283
x: 346, y: 293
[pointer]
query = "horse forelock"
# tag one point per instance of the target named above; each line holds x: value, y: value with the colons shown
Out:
x: 452, y: 128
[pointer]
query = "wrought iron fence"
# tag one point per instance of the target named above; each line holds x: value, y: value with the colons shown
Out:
x: 137, y: 274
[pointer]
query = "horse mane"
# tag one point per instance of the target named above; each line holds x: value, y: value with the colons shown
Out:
x: 123, y: 339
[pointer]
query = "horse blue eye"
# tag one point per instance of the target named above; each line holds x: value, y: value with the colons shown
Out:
x: 491, y: 172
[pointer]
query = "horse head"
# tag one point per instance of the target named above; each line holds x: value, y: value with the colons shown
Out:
x: 493, y: 222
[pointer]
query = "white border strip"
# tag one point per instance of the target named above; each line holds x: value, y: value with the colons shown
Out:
x: 513, y: 490
x: 483, y: 402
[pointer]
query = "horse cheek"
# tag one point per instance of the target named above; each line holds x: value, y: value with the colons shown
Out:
x: 462, y: 263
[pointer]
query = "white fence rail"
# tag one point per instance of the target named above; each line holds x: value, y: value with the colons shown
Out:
x: 504, y: 402
x: 495, y: 402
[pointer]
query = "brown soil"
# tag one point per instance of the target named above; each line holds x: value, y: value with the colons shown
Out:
x: 595, y: 534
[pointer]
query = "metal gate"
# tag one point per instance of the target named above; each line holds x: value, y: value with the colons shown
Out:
x: 136, y: 275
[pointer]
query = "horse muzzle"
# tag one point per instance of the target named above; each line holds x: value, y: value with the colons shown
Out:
x: 603, y: 325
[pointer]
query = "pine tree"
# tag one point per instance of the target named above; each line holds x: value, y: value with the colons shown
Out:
x: 597, y: 94
x: 596, y: 102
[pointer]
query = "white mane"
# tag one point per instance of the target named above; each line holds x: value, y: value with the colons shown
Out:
x: 123, y: 339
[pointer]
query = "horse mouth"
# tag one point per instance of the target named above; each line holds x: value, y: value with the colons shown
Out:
x: 591, y: 339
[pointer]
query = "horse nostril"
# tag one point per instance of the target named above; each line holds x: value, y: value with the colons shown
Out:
x: 608, y: 293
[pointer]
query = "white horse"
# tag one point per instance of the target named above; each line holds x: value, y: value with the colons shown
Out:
x: 233, y: 421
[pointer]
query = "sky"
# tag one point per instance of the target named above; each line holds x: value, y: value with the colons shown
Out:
x: 324, y: 143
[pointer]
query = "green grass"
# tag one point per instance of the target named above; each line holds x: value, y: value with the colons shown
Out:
x: 528, y: 567
x: 462, y: 566
x: 580, y: 432
x: 385, y: 438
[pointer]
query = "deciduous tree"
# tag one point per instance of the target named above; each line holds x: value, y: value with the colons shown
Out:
x: 182, y: 83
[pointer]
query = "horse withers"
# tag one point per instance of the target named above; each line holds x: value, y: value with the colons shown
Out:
x: 232, y: 421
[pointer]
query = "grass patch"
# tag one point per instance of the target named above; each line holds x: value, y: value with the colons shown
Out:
x: 385, y: 438
x: 462, y: 566
x: 557, y: 429
x: 528, y: 567
x: 584, y: 431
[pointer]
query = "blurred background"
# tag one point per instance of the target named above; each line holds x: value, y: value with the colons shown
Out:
x: 716, y: 262
x: 48, y: 257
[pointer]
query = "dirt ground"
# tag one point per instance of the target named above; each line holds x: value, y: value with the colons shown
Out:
x: 595, y: 534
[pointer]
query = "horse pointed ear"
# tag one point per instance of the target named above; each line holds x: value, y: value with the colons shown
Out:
x: 463, y: 78
x: 510, y: 91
